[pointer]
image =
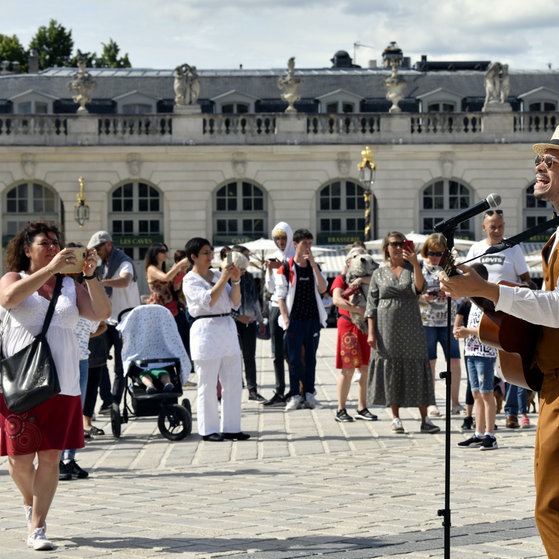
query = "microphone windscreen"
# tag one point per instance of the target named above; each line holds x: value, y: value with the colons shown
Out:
x: 494, y: 200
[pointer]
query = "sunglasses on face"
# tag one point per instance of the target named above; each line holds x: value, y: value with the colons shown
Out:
x: 548, y: 159
x: 434, y: 253
x: 396, y: 244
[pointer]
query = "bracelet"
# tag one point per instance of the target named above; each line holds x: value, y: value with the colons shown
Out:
x: 235, y: 282
x: 89, y: 277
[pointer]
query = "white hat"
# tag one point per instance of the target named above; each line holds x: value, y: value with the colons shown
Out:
x: 552, y: 144
x: 99, y: 238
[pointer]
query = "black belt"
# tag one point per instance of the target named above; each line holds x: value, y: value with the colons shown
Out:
x: 210, y: 316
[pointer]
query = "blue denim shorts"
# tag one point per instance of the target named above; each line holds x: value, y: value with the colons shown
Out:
x: 439, y: 334
x: 481, y: 371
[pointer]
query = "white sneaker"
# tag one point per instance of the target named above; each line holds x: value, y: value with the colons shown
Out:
x: 397, y: 426
x: 295, y: 403
x: 311, y: 402
x: 38, y: 540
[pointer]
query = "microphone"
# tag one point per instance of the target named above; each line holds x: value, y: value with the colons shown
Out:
x: 492, y: 201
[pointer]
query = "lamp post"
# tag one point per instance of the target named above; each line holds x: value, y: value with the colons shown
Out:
x: 367, y: 170
x: 81, y: 209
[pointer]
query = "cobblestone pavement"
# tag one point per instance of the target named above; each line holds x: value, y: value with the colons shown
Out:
x: 302, y: 486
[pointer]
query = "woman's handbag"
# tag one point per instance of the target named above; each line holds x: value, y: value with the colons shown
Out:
x: 29, y: 376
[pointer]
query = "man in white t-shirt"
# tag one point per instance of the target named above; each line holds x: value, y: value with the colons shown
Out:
x: 509, y: 264
x: 118, y: 276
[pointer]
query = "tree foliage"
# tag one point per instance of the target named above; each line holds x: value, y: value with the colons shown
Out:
x: 54, y: 45
x: 12, y: 50
x: 109, y: 57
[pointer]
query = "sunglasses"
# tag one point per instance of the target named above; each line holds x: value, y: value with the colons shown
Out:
x: 548, y: 159
x: 396, y: 244
x: 491, y: 212
x: 433, y: 253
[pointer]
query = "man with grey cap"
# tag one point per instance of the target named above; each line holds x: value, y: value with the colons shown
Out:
x: 118, y: 276
x: 541, y: 308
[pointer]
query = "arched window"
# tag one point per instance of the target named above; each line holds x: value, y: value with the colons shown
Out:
x: 341, y: 213
x: 443, y: 199
x: 136, y: 218
x: 535, y: 212
x: 29, y: 201
x: 239, y: 213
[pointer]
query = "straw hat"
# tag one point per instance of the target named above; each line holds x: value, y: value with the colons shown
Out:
x: 552, y: 144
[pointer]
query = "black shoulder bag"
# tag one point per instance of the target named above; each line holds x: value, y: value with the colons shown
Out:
x: 29, y: 376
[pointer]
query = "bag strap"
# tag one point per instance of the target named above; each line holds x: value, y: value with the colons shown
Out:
x: 53, y: 299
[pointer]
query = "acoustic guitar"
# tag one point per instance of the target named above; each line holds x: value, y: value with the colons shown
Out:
x: 514, y: 338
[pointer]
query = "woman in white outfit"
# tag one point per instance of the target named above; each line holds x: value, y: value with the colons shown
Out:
x: 214, y: 344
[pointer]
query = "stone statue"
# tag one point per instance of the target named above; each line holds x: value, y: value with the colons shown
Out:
x: 290, y: 84
x: 187, y: 85
x: 497, y: 84
x: 81, y: 85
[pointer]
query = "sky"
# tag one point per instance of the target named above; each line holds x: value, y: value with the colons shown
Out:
x: 264, y: 34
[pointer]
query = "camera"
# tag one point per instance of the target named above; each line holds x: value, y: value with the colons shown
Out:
x: 76, y: 268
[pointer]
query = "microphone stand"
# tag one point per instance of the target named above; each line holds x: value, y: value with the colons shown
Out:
x: 447, y: 376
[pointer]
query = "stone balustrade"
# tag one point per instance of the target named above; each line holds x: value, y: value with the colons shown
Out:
x: 277, y: 128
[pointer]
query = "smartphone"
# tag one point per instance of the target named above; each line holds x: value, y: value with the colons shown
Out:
x: 80, y: 254
x: 230, y: 258
x: 409, y: 246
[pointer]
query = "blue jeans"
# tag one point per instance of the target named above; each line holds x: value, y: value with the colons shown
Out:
x: 439, y: 334
x: 302, y: 334
x: 516, y: 400
x: 481, y: 371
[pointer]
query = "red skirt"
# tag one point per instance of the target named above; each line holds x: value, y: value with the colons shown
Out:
x: 352, y: 349
x: 54, y: 424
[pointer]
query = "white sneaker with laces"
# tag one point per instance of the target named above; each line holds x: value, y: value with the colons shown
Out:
x: 295, y: 403
x: 38, y: 540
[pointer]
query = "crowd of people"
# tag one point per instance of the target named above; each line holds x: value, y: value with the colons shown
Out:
x: 390, y: 321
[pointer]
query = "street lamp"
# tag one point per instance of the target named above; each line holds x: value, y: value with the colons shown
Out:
x: 81, y: 209
x: 367, y: 170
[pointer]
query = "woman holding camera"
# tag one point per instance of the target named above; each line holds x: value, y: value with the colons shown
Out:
x: 34, y: 257
x: 433, y: 305
x: 399, y: 371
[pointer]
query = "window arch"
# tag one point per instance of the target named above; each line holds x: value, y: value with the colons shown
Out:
x: 136, y: 218
x: 341, y: 213
x: 442, y: 199
x: 239, y: 213
x: 535, y: 212
x: 26, y: 201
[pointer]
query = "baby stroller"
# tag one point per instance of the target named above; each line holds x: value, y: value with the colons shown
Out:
x: 150, y: 340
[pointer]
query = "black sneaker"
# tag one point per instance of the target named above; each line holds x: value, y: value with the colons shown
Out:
x: 105, y: 409
x: 489, y: 443
x: 254, y: 396
x: 64, y: 472
x: 468, y: 423
x: 343, y: 417
x: 366, y: 415
x: 76, y: 471
x: 472, y: 442
x: 275, y: 400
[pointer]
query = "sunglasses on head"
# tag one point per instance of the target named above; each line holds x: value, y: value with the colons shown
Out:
x: 548, y: 159
x: 491, y: 212
x: 434, y: 253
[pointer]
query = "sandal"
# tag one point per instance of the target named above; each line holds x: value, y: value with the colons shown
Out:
x: 96, y: 431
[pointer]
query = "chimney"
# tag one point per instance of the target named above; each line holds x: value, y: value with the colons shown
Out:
x: 33, y: 62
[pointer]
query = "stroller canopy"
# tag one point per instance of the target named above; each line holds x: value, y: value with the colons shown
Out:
x: 150, y: 332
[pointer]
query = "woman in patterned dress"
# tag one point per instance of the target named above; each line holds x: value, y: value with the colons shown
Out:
x: 34, y: 257
x: 399, y: 370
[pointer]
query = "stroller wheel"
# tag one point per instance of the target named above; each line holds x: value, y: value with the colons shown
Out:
x: 174, y: 422
x: 186, y: 404
x: 115, y: 421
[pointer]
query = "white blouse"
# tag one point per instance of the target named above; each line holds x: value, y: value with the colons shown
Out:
x: 210, y: 338
x: 26, y: 321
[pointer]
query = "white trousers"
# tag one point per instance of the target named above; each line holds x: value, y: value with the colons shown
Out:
x: 228, y: 370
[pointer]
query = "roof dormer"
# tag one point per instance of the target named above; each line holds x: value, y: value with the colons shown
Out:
x: 541, y: 99
x: 136, y: 103
x: 339, y: 101
x: 440, y: 101
x: 33, y: 102
x: 234, y: 102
